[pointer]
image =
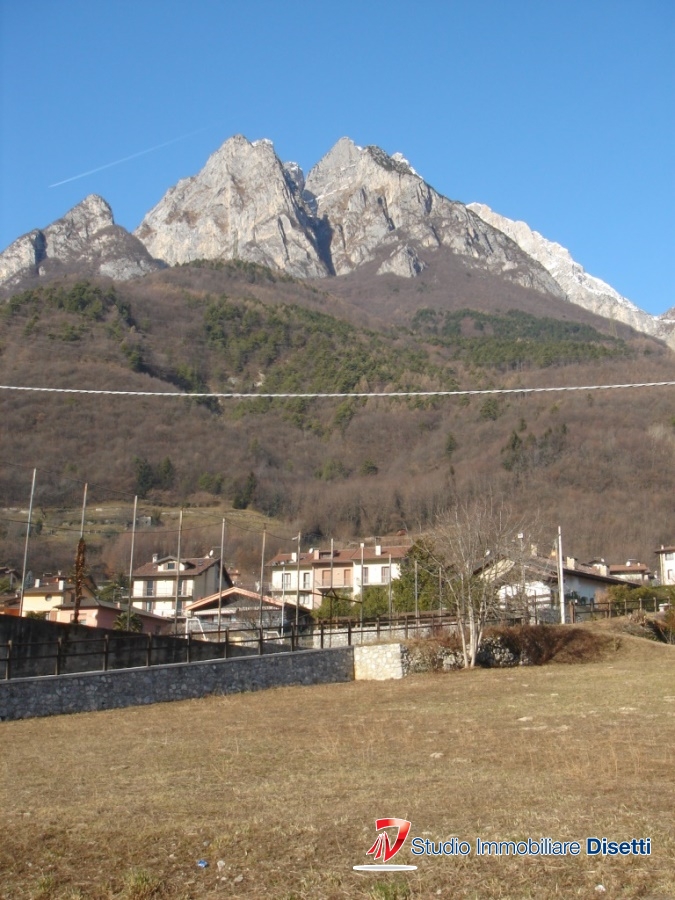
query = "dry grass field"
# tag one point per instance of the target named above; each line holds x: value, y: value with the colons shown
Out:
x: 279, y: 790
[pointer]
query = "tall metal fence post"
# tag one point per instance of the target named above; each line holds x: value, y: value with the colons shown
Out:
x: 226, y: 652
x: 105, y: 652
x: 188, y: 648
x: 260, y: 642
x: 349, y: 633
x: 294, y: 637
x: 57, y: 668
x: 148, y: 651
x: 8, y: 661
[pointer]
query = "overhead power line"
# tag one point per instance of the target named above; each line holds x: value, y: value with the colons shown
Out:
x: 338, y: 394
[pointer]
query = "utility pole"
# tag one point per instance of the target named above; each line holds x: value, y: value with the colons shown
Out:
x: 330, y: 614
x: 80, y: 562
x: 561, y: 579
x: 362, y: 588
x: 390, y: 605
x: 220, y: 576
x: 25, y: 549
x: 262, y: 574
x: 417, y: 606
x: 131, y: 561
x: 297, y: 588
x: 175, y: 612
x: 283, y: 600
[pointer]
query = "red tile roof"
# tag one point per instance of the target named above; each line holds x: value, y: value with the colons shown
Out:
x: 350, y: 555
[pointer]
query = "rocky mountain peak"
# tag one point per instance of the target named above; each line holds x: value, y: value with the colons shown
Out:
x: 243, y: 204
x: 85, y: 240
x: 579, y: 287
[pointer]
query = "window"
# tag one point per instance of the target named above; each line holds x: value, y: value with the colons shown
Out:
x: 150, y: 589
x: 670, y: 556
x: 364, y: 575
x: 306, y: 580
x: 286, y: 581
x: 385, y: 575
x: 171, y: 565
x: 325, y: 578
x: 347, y: 577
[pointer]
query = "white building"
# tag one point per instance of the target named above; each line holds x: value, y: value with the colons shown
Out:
x: 666, y: 557
x: 154, y: 584
x: 318, y: 572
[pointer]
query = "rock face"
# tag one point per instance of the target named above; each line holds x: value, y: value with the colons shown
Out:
x: 370, y: 202
x: 579, y: 287
x: 86, y: 240
x: 356, y: 206
x: 243, y: 204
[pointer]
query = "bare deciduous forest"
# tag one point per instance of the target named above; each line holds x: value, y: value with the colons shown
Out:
x: 600, y: 463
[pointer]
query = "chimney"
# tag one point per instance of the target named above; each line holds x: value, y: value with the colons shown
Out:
x: 294, y: 556
x: 378, y: 549
x: 155, y: 557
x: 571, y: 562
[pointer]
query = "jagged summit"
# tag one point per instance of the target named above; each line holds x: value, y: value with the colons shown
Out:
x: 85, y: 240
x: 581, y: 288
x: 357, y: 207
x: 243, y: 204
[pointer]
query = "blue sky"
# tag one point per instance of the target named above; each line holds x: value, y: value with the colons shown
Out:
x: 560, y: 114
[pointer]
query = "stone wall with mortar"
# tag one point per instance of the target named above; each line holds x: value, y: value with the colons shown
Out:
x: 378, y: 662
x: 54, y: 694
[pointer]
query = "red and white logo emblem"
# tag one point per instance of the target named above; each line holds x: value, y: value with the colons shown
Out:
x: 385, y: 848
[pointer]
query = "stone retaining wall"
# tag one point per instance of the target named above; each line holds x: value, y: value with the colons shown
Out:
x: 378, y: 662
x: 53, y: 694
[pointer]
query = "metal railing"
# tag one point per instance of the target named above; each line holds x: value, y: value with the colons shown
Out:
x: 112, y: 651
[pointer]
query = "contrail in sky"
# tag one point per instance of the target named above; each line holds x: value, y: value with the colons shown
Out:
x: 118, y: 162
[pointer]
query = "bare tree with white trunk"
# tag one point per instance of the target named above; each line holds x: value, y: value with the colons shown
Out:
x: 474, y: 544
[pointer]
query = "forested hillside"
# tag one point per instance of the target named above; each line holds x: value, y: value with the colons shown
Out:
x: 600, y: 463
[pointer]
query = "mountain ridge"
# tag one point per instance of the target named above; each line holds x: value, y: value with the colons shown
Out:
x: 358, y: 210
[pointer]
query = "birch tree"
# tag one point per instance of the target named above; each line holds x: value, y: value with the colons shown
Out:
x: 474, y: 545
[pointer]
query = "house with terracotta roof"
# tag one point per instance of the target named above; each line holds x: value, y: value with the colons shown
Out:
x: 319, y: 572
x: 666, y: 557
x: 633, y: 571
x: 239, y: 607
x: 103, y: 614
x: 51, y: 591
x: 153, y: 585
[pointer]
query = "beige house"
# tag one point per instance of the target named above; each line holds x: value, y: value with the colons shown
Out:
x: 666, y: 557
x: 54, y: 590
x: 153, y: 585
x: 320, y: 571
x: 104, y: 614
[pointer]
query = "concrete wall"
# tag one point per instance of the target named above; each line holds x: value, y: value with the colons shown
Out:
x: 51, y: 695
